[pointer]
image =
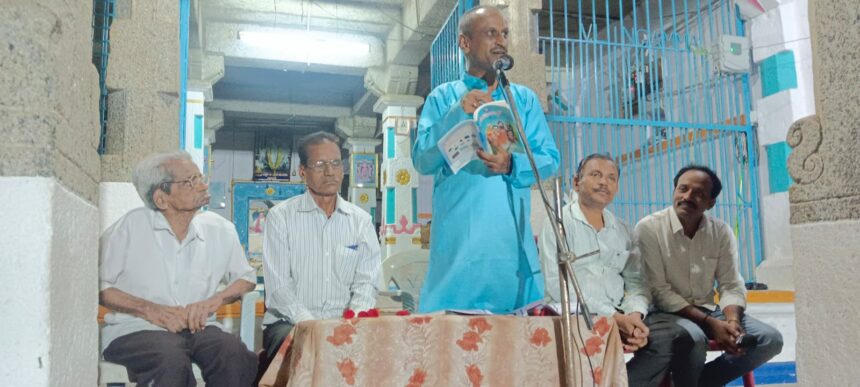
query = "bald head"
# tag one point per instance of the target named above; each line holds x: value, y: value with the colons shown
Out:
x: 468, y: 19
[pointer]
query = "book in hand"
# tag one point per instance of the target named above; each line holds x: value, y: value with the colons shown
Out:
x: 491, y: 129
x: 521, y: 311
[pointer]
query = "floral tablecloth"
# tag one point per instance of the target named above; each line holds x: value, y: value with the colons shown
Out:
x: 445, y: 350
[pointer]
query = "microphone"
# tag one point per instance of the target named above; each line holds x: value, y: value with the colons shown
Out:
x: 504, y: 63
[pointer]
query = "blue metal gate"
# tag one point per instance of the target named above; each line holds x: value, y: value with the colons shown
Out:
x: 639, y: 79
x: 446, y: 61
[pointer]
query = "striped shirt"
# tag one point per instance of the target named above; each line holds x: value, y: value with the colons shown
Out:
x: 315, y: 267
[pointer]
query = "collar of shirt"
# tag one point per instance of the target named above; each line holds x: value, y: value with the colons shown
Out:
x: 474, y: 83
x: 308, y: 204
x: 159, y: 222
x: 608, y: 219
x: 676, y: 225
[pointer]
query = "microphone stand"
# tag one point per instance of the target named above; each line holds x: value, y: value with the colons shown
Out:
x: 566, y: 276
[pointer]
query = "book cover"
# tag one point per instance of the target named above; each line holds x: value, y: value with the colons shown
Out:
x: 491, y: 129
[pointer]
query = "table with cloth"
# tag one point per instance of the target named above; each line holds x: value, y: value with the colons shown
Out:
x: 445, y: 350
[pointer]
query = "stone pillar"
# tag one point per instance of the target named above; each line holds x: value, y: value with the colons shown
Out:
x: 529, y: 66
x: 363, y: 157
x: 143, y: 104
x: 49, y: 174
x: 825, y: 202
x: 400, y: 227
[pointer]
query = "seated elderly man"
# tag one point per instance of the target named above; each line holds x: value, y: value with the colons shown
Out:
x: 159, y: 271
x: 321, y: 253
x: 609, y: 269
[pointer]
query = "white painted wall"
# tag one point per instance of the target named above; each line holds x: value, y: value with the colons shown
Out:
x: 49, y: 285
x: 232, y: 160
x: 785, y: 27
x: 115, y: 200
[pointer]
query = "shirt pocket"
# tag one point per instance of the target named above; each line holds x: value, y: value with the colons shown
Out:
x: 709, y: 266
x: 618, y: 260
x: 346, y: 262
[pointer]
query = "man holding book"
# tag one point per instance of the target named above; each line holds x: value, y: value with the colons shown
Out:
x: 609, y: 270
x: 483, y: 254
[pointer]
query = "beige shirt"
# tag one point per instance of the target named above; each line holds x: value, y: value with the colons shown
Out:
x: 682, y: 271
x: 141, y: 256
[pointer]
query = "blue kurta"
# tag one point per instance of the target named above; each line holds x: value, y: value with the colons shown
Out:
x: 482, y: 251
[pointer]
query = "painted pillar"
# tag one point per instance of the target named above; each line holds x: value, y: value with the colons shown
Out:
x: 782, y: 93
x: 363, y: 173
x: 194, y: 141
x: 400, y: 228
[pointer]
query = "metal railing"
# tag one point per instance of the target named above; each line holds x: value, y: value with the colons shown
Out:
x: 638, y: 79
x: 103, y: 12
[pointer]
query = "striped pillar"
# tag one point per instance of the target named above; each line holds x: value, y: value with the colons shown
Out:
x: 399, y: 183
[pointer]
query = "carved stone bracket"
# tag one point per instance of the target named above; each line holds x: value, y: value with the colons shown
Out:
x: 805, y: 164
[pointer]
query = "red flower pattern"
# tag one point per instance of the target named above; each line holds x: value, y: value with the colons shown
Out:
x: 597, y: 375
x: 470, y: 341
x: 420, y: 320
x: 475, y: 375
x: 480, y: 324
x: 347, y: 369
x: 417, y: 378
x: 540, y: 337
x: 601, y: 327
x: 592, y: 346
x: 342, y: 334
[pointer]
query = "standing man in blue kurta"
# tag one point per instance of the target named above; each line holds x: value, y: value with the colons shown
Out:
x: 482, y: 252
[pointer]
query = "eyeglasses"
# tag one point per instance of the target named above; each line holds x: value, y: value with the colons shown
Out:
x: 322, y: 164
x: 191, y: 182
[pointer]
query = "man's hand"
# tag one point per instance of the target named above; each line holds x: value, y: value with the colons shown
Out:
x: 199, y: 312
x: 634, y: 332
x: 475, y: 98
x: 500, y: 162
x: 726, y: 334
x: 172, y: 318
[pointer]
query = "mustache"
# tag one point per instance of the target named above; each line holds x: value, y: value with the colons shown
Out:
x: 687, y: 202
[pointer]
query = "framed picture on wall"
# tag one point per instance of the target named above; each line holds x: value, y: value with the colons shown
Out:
x: 364, y: 169
x: 272, y: 156
x: 252, y: 201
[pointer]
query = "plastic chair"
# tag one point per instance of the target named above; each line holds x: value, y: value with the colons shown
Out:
x: 748, y: 378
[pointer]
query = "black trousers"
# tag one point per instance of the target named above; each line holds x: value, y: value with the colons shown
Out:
x: 163, y: 359
x: 273, y: 337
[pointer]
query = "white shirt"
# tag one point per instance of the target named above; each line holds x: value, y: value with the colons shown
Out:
x: 141, y: 256
x: 611, y: 280
x: 316, y: 266
x: 681, y: 270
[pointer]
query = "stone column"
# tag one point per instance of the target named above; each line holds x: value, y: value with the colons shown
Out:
x: 825, y: 202
x: 143, y: 104
x: 49, y: 174
x: 400, y: 227
x: 529, y: 66
x: 362, y: 193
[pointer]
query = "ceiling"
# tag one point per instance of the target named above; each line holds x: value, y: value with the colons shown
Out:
x: 266, y: 88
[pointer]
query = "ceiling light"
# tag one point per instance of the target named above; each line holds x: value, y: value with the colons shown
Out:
x: 305, y: 43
